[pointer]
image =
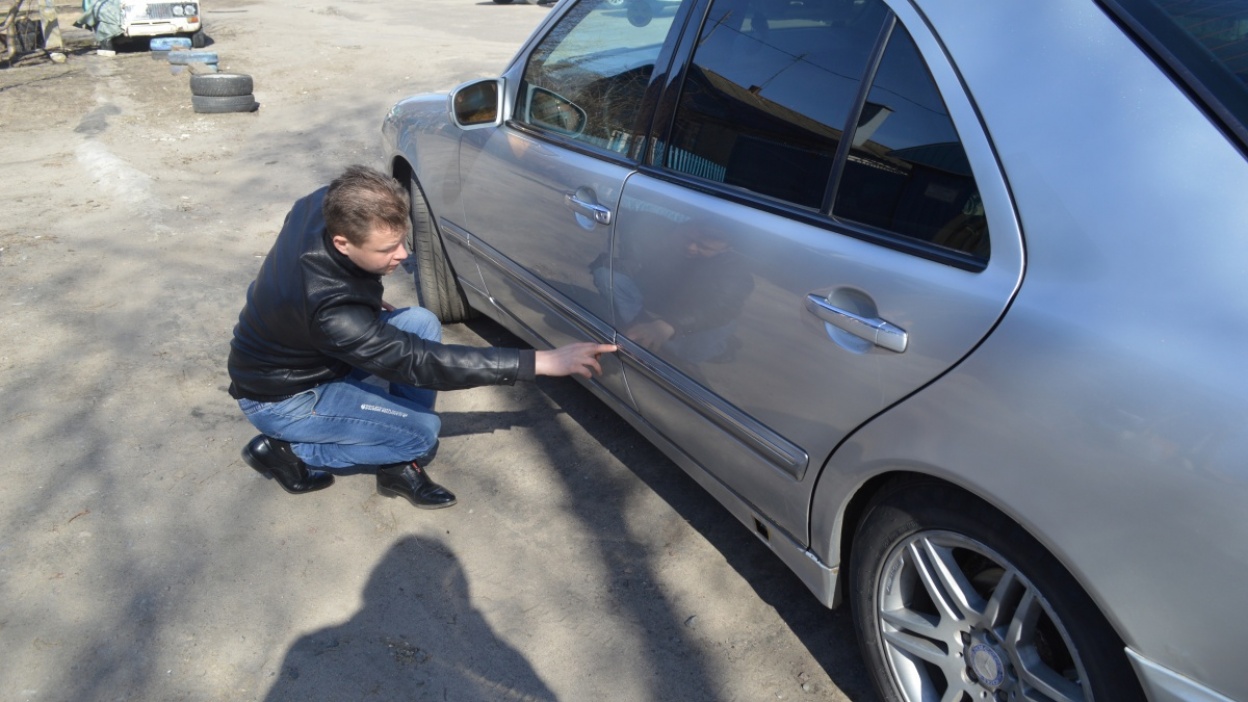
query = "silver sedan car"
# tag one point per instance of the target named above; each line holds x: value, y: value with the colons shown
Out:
x: 945, y: 301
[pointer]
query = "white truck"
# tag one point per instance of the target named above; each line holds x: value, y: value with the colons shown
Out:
x: 125, y: 20
x: 154, y: 19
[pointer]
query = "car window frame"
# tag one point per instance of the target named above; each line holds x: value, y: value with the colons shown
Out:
x: 663, y: 121
x: 514, y: 77
x: 1181, y: 58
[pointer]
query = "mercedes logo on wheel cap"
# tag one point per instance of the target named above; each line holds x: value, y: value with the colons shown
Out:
x: 987, y: 665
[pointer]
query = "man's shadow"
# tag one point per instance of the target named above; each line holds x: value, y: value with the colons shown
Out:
x: 417, y: 637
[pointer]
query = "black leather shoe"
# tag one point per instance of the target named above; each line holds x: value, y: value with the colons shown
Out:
x: 411, y: 481
x: 273, y: 458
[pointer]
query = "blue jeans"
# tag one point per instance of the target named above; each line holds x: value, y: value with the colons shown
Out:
x: 349, y: 422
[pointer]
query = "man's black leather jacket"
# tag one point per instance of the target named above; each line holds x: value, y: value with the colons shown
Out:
x: 312, y: 315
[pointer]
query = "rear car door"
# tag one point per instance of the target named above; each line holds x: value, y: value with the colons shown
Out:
x: 821, y: 229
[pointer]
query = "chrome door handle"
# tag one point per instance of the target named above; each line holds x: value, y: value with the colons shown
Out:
x: 880, y: 332
x: 593, y: 210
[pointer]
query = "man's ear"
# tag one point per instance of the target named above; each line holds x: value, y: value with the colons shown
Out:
x: 340, y: 243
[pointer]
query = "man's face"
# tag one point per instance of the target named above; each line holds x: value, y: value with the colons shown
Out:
x: 380, y: 253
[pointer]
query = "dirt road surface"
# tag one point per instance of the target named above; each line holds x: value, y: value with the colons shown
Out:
x: 140, y: 559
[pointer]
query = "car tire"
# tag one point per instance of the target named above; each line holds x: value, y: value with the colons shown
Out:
x: 927, y: 570
x: 199, y: 40
x: 185, y: 57
x: 208, y: 104
x: 221, y: 84
x: 437, y: 289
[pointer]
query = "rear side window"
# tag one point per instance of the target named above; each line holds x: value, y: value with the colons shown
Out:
x: 769, y: 92
x: 774, y: 88
x: 907, y: 172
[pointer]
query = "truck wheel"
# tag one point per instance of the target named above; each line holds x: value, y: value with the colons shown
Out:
x: 198, y: 39
x: 437, y: 289
x: 952, y: 600
x: 216, y: 104
x: 221, y: 85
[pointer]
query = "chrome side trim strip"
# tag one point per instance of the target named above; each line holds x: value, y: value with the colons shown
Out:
x: 769, y: 445
x: 570, y: 311
x: 457, y: 235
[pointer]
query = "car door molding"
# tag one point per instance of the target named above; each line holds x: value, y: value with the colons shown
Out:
x: 754, y: 435
x: 593, y: 328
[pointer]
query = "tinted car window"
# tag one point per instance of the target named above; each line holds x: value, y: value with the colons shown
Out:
x: 769, y: 91
x: 907, y: 172
x: 586, y: 79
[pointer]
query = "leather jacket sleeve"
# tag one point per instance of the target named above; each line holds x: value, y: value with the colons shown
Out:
x: 353, y: 333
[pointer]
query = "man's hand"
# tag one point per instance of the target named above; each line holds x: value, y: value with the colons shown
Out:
x: 574, y: 359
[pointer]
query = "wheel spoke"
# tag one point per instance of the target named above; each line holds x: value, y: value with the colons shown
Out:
x: 945, y: 582
x: 1000, y: 608
x: 917, y: 646
x: 1041, y: 683
x: 907, y: 620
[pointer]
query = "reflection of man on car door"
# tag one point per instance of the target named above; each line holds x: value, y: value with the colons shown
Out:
x: 686, y: 305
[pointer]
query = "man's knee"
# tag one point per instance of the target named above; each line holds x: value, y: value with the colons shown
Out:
x: 418, y: 321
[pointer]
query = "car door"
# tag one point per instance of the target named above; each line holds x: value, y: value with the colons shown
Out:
x: 542, y: 189
x: 809, y: 244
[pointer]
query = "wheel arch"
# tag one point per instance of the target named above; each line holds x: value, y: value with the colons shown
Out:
x: 859, y: 498
x: 401, y: 170
x: 1083, y: 623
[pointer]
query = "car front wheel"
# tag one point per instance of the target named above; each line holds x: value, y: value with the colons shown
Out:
x: 954, y: 602
x: 437, y: 290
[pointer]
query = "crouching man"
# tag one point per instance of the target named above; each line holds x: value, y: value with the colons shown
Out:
x: 314, y: 328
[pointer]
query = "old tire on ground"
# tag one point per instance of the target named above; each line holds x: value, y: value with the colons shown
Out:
x: 231, y: 103
x: 939, y: 577
x: 221, y: 84
x: 437, y: 289
x: 185, y: 57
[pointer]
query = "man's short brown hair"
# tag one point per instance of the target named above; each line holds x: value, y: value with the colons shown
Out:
x: 362, y: 198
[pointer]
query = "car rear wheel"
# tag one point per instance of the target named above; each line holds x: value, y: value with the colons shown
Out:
x: 954, y: 602
x: 437, y: 290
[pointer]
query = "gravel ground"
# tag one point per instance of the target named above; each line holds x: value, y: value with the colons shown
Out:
x: 140, y: 559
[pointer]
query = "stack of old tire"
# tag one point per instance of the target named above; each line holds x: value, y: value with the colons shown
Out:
x: 211, y: 90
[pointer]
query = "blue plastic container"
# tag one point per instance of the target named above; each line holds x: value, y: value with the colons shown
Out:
x: 170, y: 43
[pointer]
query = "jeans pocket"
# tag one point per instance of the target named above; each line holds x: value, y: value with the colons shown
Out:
x: 293, y: 407
x: 298, y: 406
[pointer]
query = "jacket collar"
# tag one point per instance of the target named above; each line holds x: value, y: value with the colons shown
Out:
x: 341, y: 259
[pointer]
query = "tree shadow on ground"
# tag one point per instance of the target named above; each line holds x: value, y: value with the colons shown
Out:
x: 827, y: 634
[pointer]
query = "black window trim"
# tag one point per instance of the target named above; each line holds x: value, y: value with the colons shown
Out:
x: 1138, y: 22
x: 835, y: 225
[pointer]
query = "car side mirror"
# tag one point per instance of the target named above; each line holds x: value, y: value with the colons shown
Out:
x: 477, y: 104
x: 553, y: 111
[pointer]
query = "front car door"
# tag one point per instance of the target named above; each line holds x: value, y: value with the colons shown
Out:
x: 819, y: 231
x: 541, y: 191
